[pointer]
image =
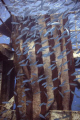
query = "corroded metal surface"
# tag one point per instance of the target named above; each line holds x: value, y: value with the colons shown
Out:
x: 57, y: 100
x: 6, y: 50
x: 64, y: 115
x: 9, y: 115
x: 10, y: 104
x: 6, y: 111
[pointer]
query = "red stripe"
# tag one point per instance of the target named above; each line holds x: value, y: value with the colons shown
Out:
x: 41, y: 72
x: 71, y: 66
x: 56, y: 83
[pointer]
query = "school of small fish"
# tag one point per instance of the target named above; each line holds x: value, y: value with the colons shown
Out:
x: 31, y: 18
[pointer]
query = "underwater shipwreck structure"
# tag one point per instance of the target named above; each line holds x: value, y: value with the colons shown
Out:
x: 55, y: 76
x: 43, y: 65
x: 49, y: 80
x: 6, y: 81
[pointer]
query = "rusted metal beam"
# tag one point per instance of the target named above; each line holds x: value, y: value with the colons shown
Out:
x: 5, y: 6
x: 1, y: 64
x: 6, y: 50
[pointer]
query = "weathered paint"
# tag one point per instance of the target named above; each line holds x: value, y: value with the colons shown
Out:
x: 64, y: 115
x: 58, y: 102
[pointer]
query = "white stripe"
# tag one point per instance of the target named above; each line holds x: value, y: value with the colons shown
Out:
x: 35, y: 86
x: 46, y: 60
x: 57, y: 49
x: 21, y: 49
x: 65, y: 77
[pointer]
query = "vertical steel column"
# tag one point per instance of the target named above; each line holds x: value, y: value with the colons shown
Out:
x: 1, y: 65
